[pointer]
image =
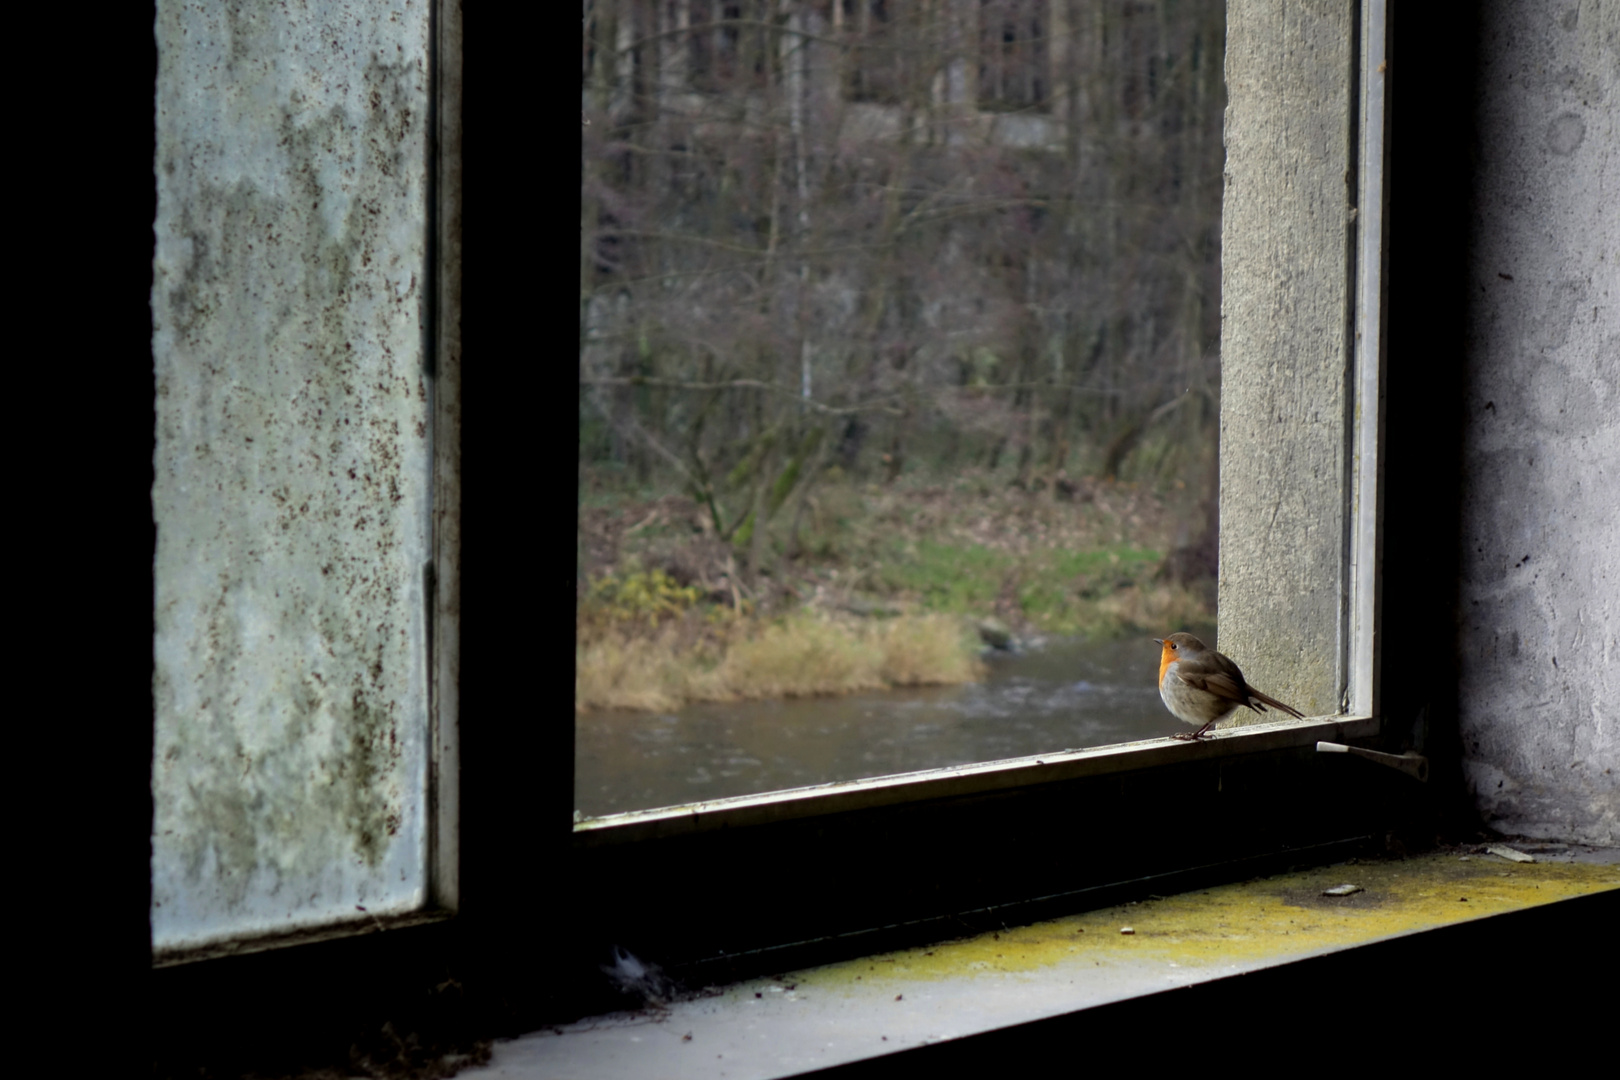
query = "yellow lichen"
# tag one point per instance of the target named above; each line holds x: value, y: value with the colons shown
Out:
x: 1269, y: 919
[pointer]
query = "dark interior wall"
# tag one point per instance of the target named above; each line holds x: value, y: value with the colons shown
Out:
x: 1539, y: 409
x: 1431, y: 147
x: 1502, y: 571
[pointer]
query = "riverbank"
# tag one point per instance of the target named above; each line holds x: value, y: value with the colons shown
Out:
x: 806, y: 654
x: 877, y: 586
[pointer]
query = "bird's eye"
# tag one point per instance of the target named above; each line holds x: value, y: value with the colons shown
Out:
x: 1172, y: 644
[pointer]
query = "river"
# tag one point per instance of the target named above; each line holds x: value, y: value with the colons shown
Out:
x: 1061, y: 694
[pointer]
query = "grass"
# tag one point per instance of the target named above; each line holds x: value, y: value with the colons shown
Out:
x: 800, y: 655
x: 667, y: 616
x: 1053, y: 589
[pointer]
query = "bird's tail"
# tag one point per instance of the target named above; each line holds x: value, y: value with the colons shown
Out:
x: 1275, y: 704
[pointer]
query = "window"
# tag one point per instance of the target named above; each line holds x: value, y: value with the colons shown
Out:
x: 1014, y: 57
x: 791, y: 281
x: 1302, y: 339
x: 745, y: 882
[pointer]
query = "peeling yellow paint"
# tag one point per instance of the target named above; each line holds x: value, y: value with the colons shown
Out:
x: 1247, y: 922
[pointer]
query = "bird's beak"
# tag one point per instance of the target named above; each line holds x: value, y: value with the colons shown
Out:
x: 1158, y: 641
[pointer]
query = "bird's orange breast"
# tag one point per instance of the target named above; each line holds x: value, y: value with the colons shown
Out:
x: 1167, y: 656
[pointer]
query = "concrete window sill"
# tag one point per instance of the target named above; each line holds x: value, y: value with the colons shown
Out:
x: 859, y: 1011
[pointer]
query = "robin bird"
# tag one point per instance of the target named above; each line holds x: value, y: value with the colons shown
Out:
x: 1202, y: 686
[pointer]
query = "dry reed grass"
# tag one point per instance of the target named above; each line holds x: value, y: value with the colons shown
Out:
x: 801, y: 655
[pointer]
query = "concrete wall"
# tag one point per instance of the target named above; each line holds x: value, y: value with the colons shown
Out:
x: 1539, y: 595
x: 1539, y: 647
x: 293, y: 464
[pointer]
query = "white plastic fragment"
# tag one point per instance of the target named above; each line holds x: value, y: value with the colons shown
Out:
x: 1341, y: 890
x: 1508, y: 853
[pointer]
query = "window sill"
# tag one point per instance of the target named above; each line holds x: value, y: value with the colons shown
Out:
x: 864, y: 1009
x: 961, y: 781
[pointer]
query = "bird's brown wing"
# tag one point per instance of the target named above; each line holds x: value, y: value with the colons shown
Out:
x: 1274, y: 703
x: 1218, y: 683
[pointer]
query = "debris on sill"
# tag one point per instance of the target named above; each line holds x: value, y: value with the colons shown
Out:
x: 1510, y: 854
x: 1341, y: 890
x: 634, y: 978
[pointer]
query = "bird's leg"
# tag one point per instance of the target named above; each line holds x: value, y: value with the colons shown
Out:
x: 1201, y: 733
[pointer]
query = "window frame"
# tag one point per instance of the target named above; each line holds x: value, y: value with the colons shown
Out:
x: 534, y: 901
x: 959, y: 781
x: 711, y: 840
x: 498, y: 776
x: 1360, y: 607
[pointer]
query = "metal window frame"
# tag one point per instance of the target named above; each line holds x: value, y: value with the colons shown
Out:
x: 734, y: 827
x: 1359, y: 615
x: 960, y: 781
x: 1366, y: 555
x: 746, y: 886
x: 444, y: 668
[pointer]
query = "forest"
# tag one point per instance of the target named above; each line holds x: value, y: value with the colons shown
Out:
x: 898, y: 317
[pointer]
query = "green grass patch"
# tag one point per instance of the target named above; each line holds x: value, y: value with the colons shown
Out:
x: 1055, y: 589
x: 953, y: 578
x: 669, y: 611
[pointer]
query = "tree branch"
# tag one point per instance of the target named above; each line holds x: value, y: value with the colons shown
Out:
x: 878, y: 405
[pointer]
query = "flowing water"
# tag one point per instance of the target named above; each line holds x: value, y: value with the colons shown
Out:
x: 1064, y: 694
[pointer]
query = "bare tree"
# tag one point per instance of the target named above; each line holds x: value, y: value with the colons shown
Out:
x: 870, y: 232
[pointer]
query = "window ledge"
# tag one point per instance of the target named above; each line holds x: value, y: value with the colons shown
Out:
x: 877, y: 1005
x: 963, y: 780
